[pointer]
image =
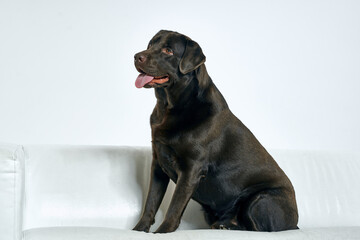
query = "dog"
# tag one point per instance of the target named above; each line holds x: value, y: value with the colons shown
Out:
x: 198, y: 143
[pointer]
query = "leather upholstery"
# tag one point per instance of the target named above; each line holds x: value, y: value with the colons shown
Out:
x: 74, y: 188
x: 76, y: 233
x: 326, y: 186
x: 12, y: 159
x: 90, y: 186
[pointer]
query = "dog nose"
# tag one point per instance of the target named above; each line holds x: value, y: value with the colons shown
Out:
x: 140, y: 57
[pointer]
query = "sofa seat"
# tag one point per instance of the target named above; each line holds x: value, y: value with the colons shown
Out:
x: 85, y: 233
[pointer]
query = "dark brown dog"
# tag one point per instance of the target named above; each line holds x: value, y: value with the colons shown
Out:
x: 199, y: 144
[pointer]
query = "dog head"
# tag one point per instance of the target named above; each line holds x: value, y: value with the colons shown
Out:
x: 168, y: 58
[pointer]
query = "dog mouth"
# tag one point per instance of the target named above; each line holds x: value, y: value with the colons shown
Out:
x: 146, y: 80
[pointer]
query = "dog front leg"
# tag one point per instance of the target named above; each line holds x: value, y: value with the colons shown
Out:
x: 185, y: 187
x: 158, y: 184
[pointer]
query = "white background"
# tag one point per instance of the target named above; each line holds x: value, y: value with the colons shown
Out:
x: 290, y: 70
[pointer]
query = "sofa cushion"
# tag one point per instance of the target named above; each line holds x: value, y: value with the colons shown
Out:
x: 76, y: 233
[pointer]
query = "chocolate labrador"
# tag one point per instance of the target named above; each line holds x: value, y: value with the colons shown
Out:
x: 198, y: 143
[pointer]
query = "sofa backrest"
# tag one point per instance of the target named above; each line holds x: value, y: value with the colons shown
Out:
x: 84, y: 186
x: 326, y: 186
x: 107, y: 186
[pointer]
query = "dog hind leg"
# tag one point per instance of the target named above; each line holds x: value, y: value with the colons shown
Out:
x: 269, y: 211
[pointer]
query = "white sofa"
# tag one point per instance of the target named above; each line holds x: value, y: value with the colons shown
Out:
x: 97, y: 192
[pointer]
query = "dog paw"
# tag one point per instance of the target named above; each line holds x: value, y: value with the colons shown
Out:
x: 141, y: 227
x: 228, y: 225
x: 223, y: 227
x: 219, y: 226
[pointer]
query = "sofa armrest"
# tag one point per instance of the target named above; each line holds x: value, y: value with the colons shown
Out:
x: 12, y: 160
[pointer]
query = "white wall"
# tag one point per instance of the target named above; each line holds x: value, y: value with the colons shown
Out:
x: 290, y: 70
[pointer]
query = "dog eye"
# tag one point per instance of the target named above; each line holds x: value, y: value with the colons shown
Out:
x: 167, y: 51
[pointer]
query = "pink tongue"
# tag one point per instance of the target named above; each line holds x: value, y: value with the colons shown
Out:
x: 143, y: 79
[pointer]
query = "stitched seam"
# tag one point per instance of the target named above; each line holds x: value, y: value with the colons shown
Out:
x: 14, y: 158
x: 16, y: 179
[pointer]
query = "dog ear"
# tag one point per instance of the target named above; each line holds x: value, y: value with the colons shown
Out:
x: 192, y: 58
